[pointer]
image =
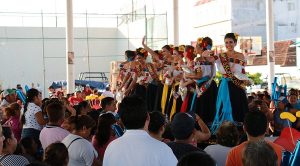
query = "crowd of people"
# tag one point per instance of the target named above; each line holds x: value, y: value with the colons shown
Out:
x: 166, y: 111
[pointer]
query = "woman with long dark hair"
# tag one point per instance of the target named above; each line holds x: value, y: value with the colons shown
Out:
x: 232, y: 100
x: 104, y: 134
x: 32, y: 118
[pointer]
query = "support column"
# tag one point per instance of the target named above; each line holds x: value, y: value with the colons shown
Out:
x: 69, y: 48
x: 176, y: 22
x: 270, y: 42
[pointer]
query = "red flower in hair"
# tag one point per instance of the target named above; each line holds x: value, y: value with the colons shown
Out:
x: 204, y: 44
x: 189, y: 54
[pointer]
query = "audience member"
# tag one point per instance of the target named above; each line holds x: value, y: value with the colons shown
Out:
x: 29, y: 149
x: 250, y: 99
x: 168, y: 132
x: 255, y: 126
x: 227, y: 137
x: 157, y: 126
x: 204, y: 133
x: 8, y: 97
x: 70, y: 111
x: 32, y: 118
x: 52, y: 132
x: 183, y: 129
x: 69, y: 123
x: 195, y: 159
x: 260, y: 105
x: 76, y: 99
x: 136, y: 146
x: 104, y: 134
x: 60, y: 95
x: 81, y: 151
x: 84, y: 107
x: 108, y: 93
x: 7, y: 157
x: 108, y: 104
x: 56, y: 154
x: 13, y: 120
x: 17, y: 107
x: 87, y: 90
x: 259, y: 153
x: 279, y: 123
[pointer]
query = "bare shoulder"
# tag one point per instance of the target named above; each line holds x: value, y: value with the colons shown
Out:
x: 240, y: 56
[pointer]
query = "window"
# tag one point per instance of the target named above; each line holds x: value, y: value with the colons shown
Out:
x: 291, y: 6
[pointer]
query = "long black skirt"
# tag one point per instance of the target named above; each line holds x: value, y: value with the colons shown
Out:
x: 205, y: 105
x: 239, y: 103
x: 170, y: 103
x: 153, y: 96
x: 140, y: 91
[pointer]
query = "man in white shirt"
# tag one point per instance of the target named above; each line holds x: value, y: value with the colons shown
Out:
x: 53, y: 132
x: 136, y: 146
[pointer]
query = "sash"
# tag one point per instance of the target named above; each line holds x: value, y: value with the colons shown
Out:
x: 174, y: 105
x: 203, y: 79
x: 223, y: 98
x: 164, y: 98
x: 151, y: 71
x: 225, y: 63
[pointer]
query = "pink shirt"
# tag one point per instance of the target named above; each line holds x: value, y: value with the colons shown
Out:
x: 52, y: 134
x: 15, y: 125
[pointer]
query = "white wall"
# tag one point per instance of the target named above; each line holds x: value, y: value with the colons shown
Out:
x: 211, y: 19
x: 24, y: 57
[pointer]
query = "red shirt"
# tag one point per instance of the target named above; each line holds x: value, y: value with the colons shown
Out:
x: 74, y: 100
x: 87, y: 91
x: 101, y: 149
x: 234, y: 157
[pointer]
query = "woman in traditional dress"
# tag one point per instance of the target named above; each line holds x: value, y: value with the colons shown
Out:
x: 165, y: 72
x: 174, y: 101
x: 187, y: 85
x: 146, y: 74
x: 232, y: 100
x: 206, y: 89
x: 128, y: 75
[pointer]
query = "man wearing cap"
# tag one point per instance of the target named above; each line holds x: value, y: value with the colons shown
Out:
x: 9, y: 96
x: 183, y: 129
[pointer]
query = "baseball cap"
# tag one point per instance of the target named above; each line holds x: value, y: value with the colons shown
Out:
x: 8, y: 92
x: 182, y: 125
x: 283, y: 100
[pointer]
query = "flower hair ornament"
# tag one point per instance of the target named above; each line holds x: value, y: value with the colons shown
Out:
x: 203, y: 43
x: 142, y: 52
x: 199, y: 40
x: 236, y: 36
x: 189, y: 54
x: 181, y: 48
